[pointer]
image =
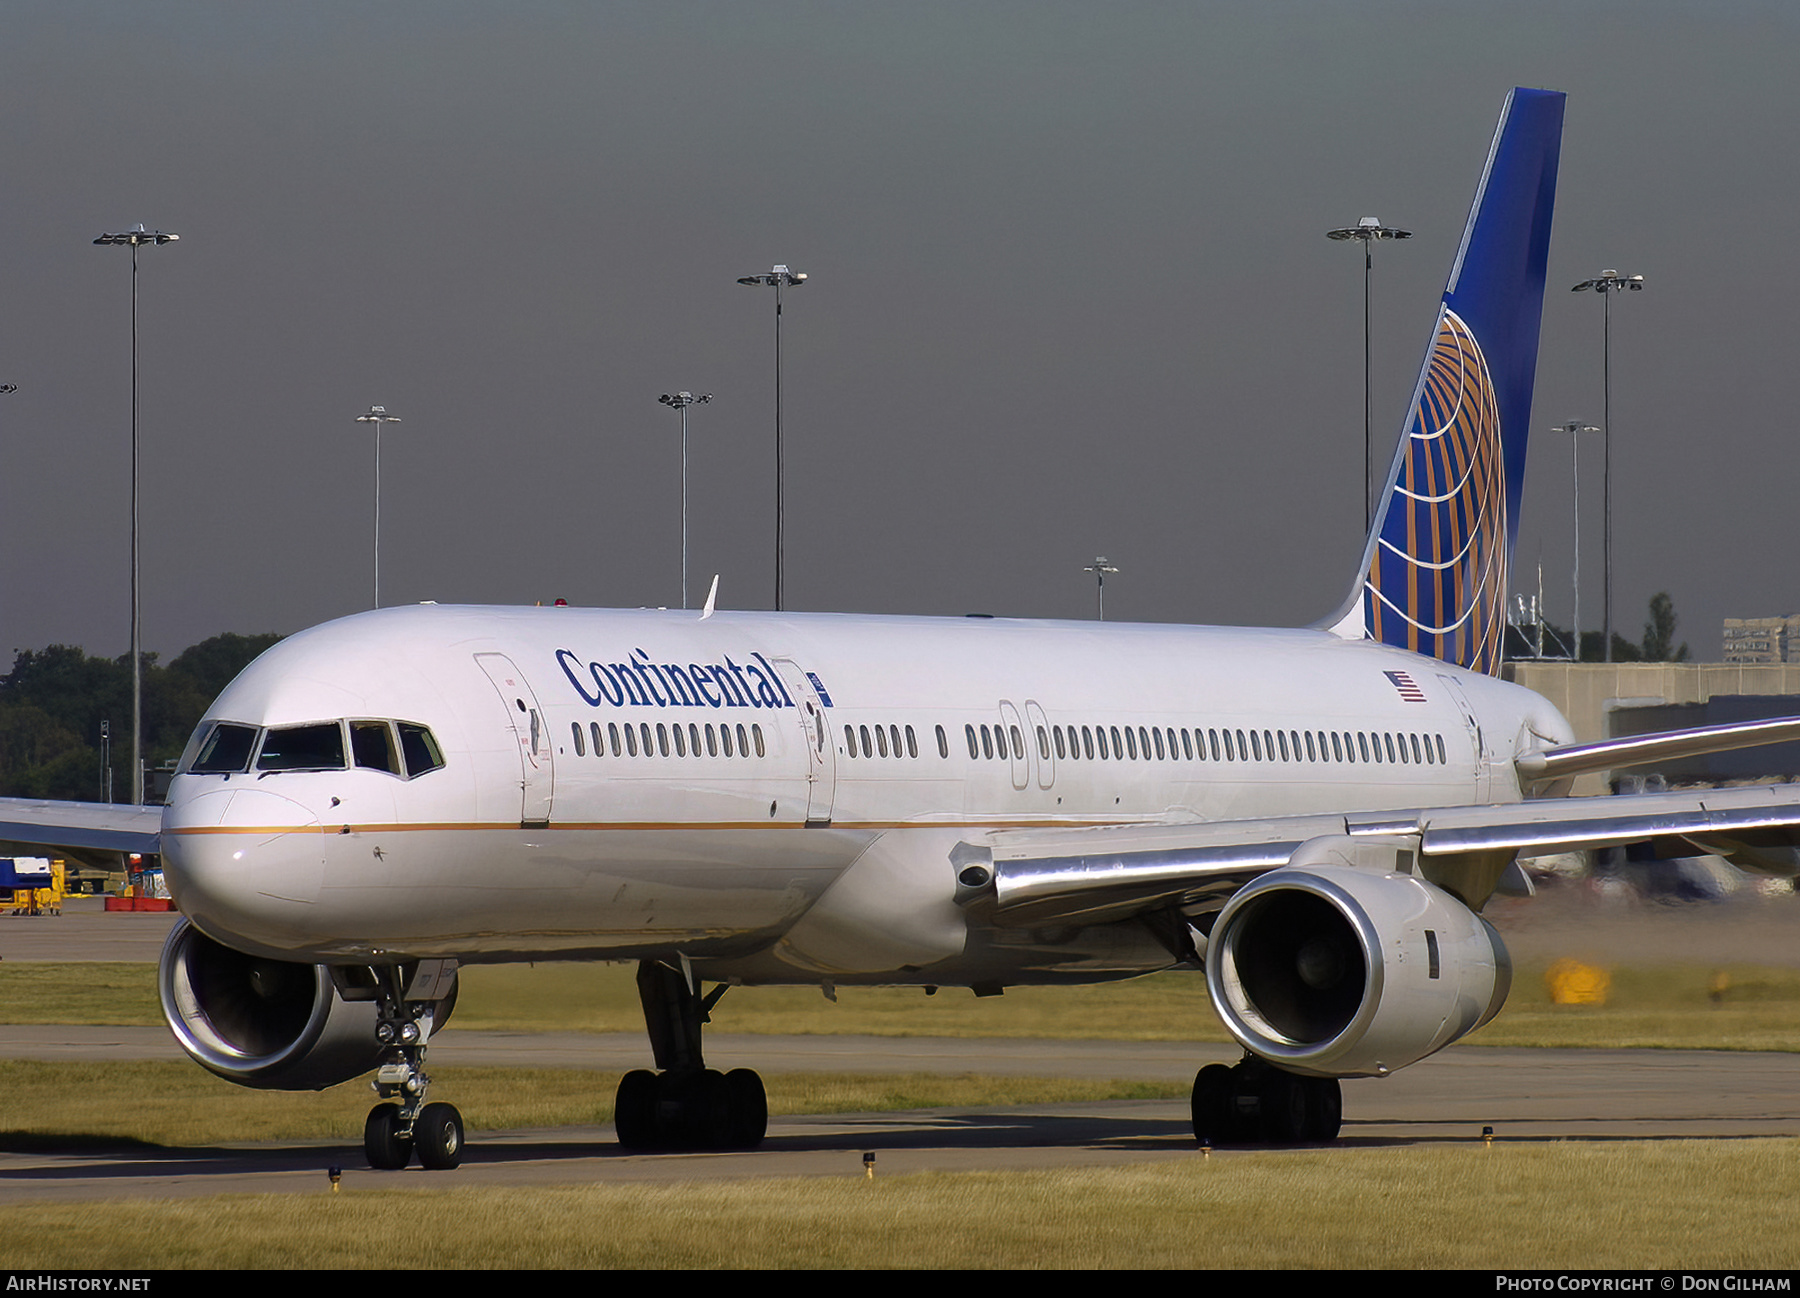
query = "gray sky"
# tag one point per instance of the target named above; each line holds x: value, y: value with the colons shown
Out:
x: 1070, y: 294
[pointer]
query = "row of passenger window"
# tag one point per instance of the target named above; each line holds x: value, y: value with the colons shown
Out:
x: 1005, y: 743
x: 401, y: 748
x: 887, y: 741
x: 634, y: 740
x: 1141, y: 743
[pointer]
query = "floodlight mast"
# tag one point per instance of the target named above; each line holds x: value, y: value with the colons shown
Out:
x: 1575, y: 428
x: 378, y: 416
x: 133, y: 238
x: 681, y: 401
x: 1367, y: 231
x: 1606, y: 283
x: 778, y: 278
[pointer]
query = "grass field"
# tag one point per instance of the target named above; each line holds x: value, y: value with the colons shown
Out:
x: 1665, y: 1205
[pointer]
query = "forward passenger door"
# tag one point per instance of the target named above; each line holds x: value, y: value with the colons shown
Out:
x: 537, y: 775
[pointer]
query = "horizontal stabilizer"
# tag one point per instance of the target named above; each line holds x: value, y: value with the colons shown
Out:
x: 1637, y: 750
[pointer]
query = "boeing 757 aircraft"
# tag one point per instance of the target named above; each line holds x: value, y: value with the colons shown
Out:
x: 1315, y: 817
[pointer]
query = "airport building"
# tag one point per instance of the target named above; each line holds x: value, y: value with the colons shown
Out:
x: 1762, y: 639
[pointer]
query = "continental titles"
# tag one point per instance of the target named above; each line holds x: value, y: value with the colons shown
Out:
x: 639, y: 683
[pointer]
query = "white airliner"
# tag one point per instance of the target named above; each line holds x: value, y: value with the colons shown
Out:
x: 1316, y: 816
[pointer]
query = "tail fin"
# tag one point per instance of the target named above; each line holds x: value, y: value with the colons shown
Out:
x: 1434, y: 576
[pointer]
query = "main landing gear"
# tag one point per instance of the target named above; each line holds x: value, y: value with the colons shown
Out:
x: 394, y: 1132
x: 1256, y: 1103
x: 687, y: 1105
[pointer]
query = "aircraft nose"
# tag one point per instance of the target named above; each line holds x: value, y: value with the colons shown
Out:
x: 245, y: 865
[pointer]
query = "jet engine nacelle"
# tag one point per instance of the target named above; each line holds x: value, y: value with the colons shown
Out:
x: 1333, y: 969
x: 270, y: 1024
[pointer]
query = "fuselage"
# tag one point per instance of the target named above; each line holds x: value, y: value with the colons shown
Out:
x: 539, y: 783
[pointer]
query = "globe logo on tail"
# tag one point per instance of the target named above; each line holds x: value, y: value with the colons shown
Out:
x: 1437, y: 580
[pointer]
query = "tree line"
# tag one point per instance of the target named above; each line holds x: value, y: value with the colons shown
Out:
x: 53, y: 701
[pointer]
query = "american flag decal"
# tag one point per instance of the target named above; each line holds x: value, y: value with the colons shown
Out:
x: 1404, y: 683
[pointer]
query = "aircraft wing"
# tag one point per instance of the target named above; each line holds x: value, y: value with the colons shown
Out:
x: 89, y: 826
x: 1113, y: 872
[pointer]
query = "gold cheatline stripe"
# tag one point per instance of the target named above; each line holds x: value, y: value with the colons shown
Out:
x: 511, y: 827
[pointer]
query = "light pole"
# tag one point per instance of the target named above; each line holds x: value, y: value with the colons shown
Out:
x: 1606, y: 284
x: 1575, y: 428
x: 681, y: 401
x: 1367, y: 231
x: 778, y: 278
x: 135, y: 237
x: 378, y: 416
x: 1101, y: 570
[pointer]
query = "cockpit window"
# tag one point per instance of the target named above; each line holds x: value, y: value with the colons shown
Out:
x: 303, y: 748
x: 420, y: 749
x: 227, y: 749
x: 399, y: 748
x: 372, y: 746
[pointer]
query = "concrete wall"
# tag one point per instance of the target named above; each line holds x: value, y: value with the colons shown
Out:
x: 1582, y: 691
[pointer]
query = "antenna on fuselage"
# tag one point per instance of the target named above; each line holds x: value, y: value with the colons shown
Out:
x: 711, y: 596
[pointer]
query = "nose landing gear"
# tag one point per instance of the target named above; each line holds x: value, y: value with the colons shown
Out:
x: 408, y: 1012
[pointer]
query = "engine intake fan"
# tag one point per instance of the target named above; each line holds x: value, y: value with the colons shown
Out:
x: 1344, y: 963
x: 265, y: 1023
